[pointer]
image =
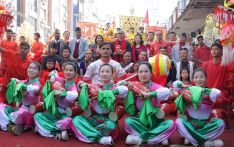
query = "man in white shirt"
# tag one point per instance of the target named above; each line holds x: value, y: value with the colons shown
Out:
x: 92, y: 72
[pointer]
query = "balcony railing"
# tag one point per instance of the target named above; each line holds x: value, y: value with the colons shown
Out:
x: 179, y: 9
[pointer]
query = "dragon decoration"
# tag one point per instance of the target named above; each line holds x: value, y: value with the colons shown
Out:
x: 220, y: 25
x: 5, y: 18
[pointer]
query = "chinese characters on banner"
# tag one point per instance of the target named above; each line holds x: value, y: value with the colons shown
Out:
x: 89, y: 29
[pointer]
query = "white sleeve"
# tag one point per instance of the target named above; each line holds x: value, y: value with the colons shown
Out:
x: 123, y: 91
x: 33, y: 88
x: 90, y: 71
x: 72, y: 96
x: 163, y: 93
x: 214, y: 94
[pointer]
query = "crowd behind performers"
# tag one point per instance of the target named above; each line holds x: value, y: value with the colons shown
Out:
x: 67, y: 71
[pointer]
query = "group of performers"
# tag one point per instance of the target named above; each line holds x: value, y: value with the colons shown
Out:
x: 59, y: 104
x: 94, y: 108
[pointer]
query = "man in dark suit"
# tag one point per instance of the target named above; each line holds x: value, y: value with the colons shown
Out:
x: 58, y: 42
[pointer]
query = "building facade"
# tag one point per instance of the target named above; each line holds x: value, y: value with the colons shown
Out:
x: 189, y: 16
x: 43, y: 16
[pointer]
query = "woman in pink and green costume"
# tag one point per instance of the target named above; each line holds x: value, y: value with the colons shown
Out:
x: 25, y: 92
x: 197, y: 127
x: 148, y: 126
x: 58, y: 95
x: 99, y: 128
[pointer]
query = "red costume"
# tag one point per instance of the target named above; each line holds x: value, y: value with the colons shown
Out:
x: 136, y: 52
x: 217, y: 75
x: 118, y: 47
x: 37, y: 46
x: 202, y: 53
x: 217, y: 78
x: 230, y: 79
x: 16, y: 67
x: 10, y: 46
x: 157, y: 45
x: 150, y: 46
x: 170, y: 44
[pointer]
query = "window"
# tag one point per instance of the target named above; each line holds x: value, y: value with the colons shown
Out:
x: 33, y: 23
x: 32, y: 5
x: 43, y: 16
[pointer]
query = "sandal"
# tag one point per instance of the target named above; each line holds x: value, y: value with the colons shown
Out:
x: 16, y: 129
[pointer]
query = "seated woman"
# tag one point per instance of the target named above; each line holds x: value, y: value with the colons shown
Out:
x: 148, y: 126
x: 98, y: 128
x: 63, y: 93
x: 25, y: 92
x: 196, y: 126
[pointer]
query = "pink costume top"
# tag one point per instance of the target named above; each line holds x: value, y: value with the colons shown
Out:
x: 122, y: 93
x: 205, y: 108
x: 70, y: 96
x: 33, y: 92
x: 162, y: 94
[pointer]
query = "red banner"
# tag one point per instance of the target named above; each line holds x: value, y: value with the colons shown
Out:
x: 88, y: 29
x: 156, y: 28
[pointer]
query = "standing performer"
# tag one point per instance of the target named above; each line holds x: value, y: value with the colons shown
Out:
x: 26, y: 91
x: 37, y: 45
x: 197, y: 127
x: 14, y: 70
x: 98, y: 127
x: 54, y: 123
x: 147, y: 127
x: 217, y: 75
x: 9, y: 45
